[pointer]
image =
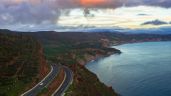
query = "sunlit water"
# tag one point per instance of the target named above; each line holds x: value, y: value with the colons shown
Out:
x: 143, y: 69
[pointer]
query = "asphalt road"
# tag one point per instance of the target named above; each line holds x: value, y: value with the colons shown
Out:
x: 45, y: 82
x: 68, y: 79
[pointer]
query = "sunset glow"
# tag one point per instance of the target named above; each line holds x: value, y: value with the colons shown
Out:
x: 38, y: 14
x: 92, y: 2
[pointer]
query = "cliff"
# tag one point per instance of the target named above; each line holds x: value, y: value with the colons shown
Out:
x: 85, y: 82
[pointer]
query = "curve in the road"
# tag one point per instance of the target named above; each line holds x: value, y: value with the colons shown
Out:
x: 66, y: 82
x: 44, y: 83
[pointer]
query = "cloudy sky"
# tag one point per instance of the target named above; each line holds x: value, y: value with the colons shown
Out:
x: 36, y: 15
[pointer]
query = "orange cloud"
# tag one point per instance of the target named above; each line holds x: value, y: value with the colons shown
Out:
x: 92, y: 2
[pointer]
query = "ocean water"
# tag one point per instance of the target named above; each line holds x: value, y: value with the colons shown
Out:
x: 143, y: 69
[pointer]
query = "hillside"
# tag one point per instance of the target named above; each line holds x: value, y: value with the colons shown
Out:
x: 75, y: 49
x: 51, y: 37
x: 22, y: 63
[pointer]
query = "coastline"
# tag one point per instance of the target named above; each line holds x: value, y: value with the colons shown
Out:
x: 122, y: 43
x: 96, y: 58
x: 106, y: 53
x: 115, y: 77
x: 93, y: 85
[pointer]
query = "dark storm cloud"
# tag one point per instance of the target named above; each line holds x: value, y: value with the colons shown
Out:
x: 155, y: 22
x: 142, y: 14
x: 27, y: 12
x: 48, y: 11
x: 162, y: 3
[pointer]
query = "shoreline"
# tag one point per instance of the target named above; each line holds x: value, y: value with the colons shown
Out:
x: 98, y: 56
x: 123, y: 43
x: 104, y: 56
x: 96, y: 59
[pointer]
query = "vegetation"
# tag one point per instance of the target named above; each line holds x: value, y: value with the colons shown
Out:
x: 19, y: 57
x: 19, y: 63
x: 87, y: 84
x: 81, y: 85
x: 76, y: 49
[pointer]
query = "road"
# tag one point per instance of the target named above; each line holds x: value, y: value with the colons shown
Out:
x: 65, y: 84
x: 44, y: 83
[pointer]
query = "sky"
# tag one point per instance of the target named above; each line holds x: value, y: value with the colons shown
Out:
x: 61, y: 15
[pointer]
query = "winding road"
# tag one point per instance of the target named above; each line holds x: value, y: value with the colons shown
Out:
x: 49, y: 78
x: 66, y: 82
x: 44, y: 83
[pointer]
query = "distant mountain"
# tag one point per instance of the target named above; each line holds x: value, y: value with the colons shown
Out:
x: 162, y: 30
x: 100, y: 30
